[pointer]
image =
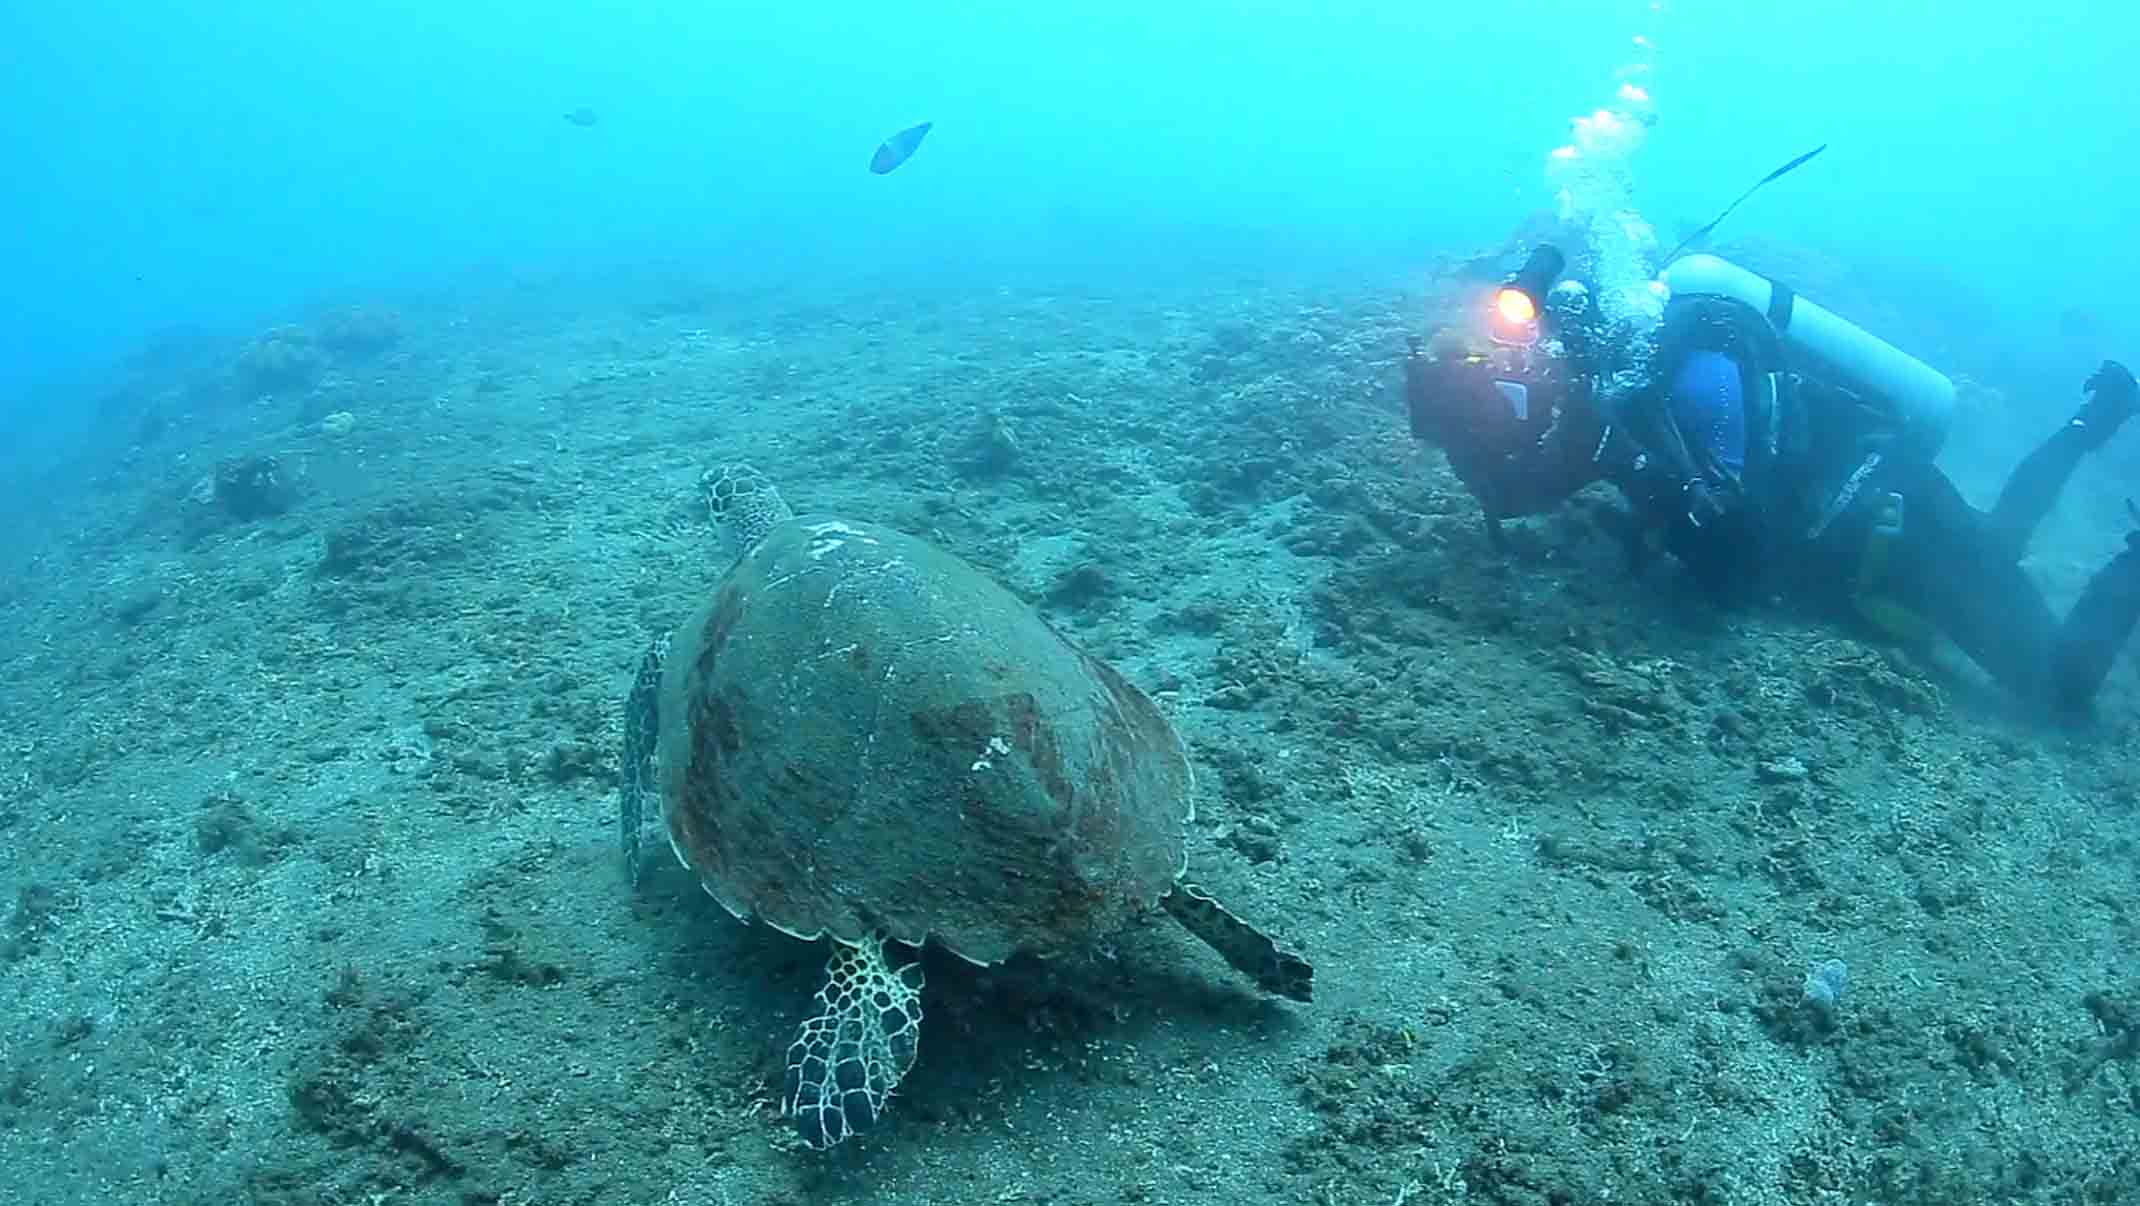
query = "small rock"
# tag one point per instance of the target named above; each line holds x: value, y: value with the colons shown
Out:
x: 1787, y: 769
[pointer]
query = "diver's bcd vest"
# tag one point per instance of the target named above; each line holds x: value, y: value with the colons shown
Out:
x: 1780, y: 438
x: 1702, y: 323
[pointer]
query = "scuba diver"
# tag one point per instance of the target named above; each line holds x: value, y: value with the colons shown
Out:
x: 1768, y: 444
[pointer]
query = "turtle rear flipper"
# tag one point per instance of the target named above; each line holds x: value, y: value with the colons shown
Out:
x: 1252, y: 952
x: 635, y: 762
x: 847, y: 1059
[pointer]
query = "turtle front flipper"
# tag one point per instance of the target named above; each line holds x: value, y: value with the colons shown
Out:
x: 1252, y: 952
x: 635, y: 762
x: 846, y: 1060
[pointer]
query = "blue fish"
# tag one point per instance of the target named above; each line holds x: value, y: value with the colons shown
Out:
x: 898, y: 148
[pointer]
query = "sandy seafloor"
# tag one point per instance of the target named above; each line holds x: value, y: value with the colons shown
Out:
x: 312, y: 892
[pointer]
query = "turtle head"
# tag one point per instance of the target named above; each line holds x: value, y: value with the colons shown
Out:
x: 744, y: 503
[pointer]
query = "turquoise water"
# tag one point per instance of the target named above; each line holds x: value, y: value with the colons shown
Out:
x: 359, y: 367
x: 191, y: 164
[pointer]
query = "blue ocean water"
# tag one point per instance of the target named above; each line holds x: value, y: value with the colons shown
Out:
x: 189, y: 164
x: 364, y: 370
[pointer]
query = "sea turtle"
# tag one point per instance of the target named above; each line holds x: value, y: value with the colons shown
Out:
x: 863, y: 738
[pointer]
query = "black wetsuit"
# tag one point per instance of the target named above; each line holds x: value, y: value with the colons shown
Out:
x: 1960, y: 569
x: 1804, y: 520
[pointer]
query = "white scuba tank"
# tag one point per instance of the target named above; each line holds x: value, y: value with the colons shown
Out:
x: 1921, y: 397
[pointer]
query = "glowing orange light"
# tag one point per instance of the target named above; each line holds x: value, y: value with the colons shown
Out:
x: 1515, y: 307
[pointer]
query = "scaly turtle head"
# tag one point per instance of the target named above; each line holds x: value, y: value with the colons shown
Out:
x: 744, y: 503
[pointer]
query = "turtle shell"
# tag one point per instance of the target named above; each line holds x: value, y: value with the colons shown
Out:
x: 861, y: 733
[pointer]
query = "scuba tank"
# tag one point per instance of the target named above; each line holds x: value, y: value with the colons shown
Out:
x: 1916, y: 399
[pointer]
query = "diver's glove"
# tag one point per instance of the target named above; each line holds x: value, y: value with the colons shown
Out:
x: 2112, y: 398
x: 1718, y: 538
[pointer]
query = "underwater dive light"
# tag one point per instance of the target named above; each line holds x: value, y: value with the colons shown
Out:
x: 1520, y: 298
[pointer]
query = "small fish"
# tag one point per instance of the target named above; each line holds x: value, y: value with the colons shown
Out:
x: 583, y: 116
x: 898, y: 148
